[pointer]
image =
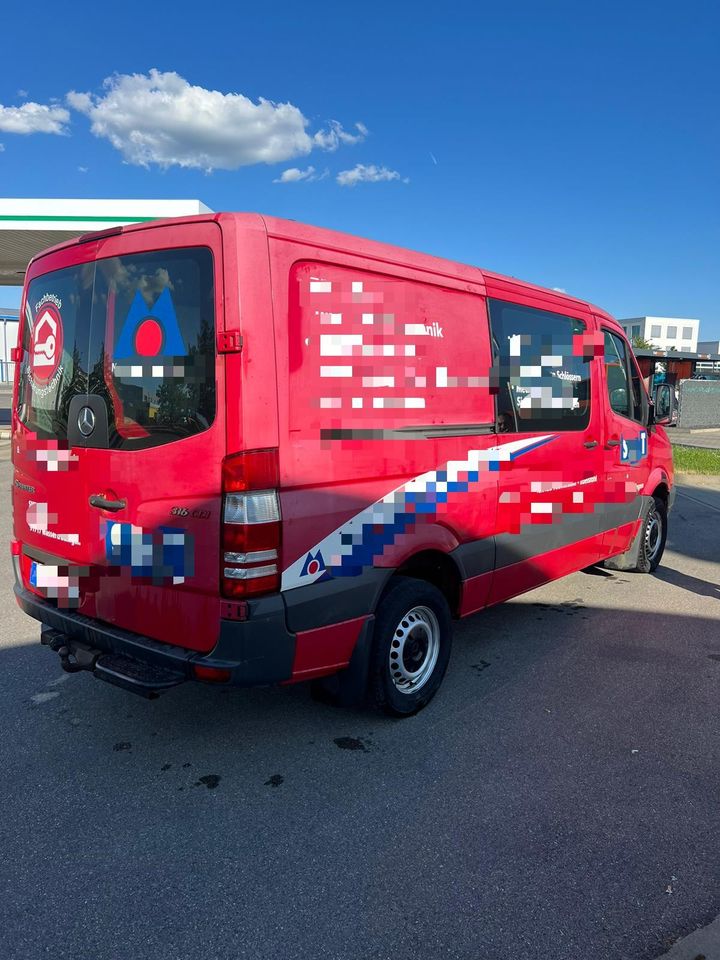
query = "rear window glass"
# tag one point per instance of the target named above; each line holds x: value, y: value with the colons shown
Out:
x: 138, y: 331
x: 55, y: 348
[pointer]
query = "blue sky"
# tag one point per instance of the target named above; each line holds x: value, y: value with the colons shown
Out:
x: 573, y: 145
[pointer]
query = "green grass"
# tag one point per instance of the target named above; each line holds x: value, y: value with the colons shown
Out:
x: 695, y: 460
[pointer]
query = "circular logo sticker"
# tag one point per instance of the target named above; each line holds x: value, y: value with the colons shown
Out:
x: 46, y: 344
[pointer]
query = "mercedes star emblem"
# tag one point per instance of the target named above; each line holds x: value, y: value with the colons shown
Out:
x: 86, y: 421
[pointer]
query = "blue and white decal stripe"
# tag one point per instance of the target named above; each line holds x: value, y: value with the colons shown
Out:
x: 355, y: 544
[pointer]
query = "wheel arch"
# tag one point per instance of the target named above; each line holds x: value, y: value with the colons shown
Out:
x: 658, y: 484
x: 435, y: 567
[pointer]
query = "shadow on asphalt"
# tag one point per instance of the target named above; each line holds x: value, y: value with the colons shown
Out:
x: 500, y: 647
x: 563, y: 775
x: 696, y: 510
x: 703, y: 588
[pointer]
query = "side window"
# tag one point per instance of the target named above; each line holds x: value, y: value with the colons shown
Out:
x: 639, y: 394
x: 616, y: 375
x: 541, y: 378
x: 626, y: 392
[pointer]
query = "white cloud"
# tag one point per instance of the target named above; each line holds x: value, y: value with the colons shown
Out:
x: 361, y: 173
x: 2, y: 147
x: 160, y: 118
x: 294, y: 175
x: 560, y: 289
x: 33, y: 118
x: 22, y: 94
x: 332, y: 138
x: 83, y: 169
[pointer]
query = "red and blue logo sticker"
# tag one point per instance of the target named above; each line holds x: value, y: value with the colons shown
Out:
x: 314, y: 566
x: 46, y: 343
x: 150, y: 341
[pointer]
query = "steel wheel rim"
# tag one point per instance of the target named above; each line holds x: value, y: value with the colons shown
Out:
x: 653, y: 535
x: 414, y: 649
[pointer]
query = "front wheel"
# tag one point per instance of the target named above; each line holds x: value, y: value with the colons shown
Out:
x: 411, y: 646
x: 653, y: 535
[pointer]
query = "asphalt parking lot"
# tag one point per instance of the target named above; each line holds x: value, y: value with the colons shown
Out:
x: 557, y: 800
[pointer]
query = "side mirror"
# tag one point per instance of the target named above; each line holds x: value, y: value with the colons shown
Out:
x: 618, y: 398
x: 664, y: 403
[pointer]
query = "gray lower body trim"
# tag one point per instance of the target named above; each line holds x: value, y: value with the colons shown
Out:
x: 332, y: 601
x: 475, y: 558
x: 536, y: 539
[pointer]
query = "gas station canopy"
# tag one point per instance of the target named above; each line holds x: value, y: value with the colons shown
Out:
x: 29, y: 226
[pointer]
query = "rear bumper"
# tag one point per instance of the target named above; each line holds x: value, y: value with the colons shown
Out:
x: 259, y: 650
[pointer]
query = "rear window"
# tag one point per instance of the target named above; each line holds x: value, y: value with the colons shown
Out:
x: 137, y: 331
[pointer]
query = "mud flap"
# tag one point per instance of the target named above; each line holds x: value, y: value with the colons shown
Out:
x: 627, y: 560
x: 349, y: 687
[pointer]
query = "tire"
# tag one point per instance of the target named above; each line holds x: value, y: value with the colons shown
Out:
x: 653, y: 535
x: 411, y: 647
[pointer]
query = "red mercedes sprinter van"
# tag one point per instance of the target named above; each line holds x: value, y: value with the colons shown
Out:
x: 248, y: 451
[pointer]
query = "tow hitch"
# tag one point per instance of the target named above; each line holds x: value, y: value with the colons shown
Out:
x: 145, y: 679
x: 73, y: 658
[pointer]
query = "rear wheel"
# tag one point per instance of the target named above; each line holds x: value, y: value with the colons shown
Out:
x: 411, y: 646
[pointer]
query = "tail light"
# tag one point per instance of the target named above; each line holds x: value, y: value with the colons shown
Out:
x: 251, y: 524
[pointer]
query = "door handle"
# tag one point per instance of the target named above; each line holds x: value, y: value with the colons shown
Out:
x: 589, y: 444
x: 612, y: 443
x: 98, y: 500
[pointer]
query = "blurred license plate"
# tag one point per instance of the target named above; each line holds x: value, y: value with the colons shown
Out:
x: 61, y: 583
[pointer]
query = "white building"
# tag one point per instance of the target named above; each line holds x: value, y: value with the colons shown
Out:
x: 8, y: 339
x: 665, y: 333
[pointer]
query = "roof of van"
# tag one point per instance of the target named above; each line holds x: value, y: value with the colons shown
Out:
x: 362, y: 246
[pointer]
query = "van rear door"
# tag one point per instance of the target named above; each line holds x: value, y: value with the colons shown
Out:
x: 121, y: 431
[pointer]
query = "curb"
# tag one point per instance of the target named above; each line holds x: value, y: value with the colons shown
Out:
x: 695, y: 445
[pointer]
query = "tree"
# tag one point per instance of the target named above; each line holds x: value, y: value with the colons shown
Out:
x: 640, y: 343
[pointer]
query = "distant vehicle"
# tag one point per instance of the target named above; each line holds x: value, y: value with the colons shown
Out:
x: 249, y: 451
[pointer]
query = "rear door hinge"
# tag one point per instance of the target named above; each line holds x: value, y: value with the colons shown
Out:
x: 229, y: 341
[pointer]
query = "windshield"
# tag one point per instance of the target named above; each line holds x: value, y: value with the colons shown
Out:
x: 137, y: 331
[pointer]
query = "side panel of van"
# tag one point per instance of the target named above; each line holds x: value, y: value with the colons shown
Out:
x: 118, y: 447
x: 388, y: 383
x: 383, y: 380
